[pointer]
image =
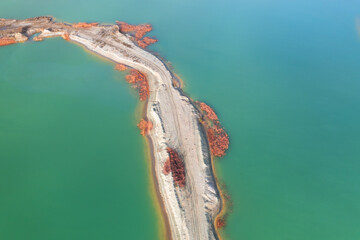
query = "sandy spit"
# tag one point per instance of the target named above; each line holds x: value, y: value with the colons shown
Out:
x: 190, y: 210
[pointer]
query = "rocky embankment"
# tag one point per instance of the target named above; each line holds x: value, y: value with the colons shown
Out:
x: 183, y: 134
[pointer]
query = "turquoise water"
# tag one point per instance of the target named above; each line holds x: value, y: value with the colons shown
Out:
x: 283, y: 77
x: 72, y: 165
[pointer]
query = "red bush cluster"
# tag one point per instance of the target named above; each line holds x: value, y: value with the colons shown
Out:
x: 6, y: 41
x: 139, y: 81
x: 217, y: 137
x: 146, y: 42
x: 176, y: 167
x: 218, y: 140
x: 209, y: 111
x: 139, y: 31
x: 66, y: 36
x: 120, y: 67
x: 145, y: 127
x: 84, y: 25
x: 220, y: 222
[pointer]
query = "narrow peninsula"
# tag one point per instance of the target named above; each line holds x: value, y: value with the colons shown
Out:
x: 184, y: 135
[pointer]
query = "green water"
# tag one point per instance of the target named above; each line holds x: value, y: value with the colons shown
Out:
x: 71, y: 161
x: 283, y: 77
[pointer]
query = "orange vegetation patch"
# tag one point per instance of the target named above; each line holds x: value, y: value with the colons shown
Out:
x: 177, y: 167
x: 218, y: 140
x: 146, y: 42
x: 166, y: 167
x: 145, y: 127
x: 120, y: 67
x: 84, y: 25
x: 220, y: 223
x: 66, y: 36
x: 139, y: 30
x: 139, y: 81
x: 209, y: 111
x: 217, y: 137
x: 38, y: 39
x: 6, y: 41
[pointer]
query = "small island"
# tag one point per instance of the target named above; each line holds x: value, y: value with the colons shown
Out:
x: 184, y: 135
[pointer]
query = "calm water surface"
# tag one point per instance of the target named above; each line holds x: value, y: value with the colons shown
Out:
x: 283, y: 77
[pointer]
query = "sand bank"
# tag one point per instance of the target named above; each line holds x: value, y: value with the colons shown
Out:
x: 192, y: 206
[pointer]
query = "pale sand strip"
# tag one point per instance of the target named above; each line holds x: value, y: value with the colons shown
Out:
x: 191, y: 210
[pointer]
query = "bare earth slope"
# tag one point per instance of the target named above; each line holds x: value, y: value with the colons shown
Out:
x: 190, y: 209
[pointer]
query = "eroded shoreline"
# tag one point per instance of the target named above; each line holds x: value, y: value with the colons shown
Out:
x: 192, y: 202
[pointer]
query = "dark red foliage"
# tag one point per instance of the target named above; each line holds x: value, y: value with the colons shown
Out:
x: 220, y: 223
x: 177, y: 167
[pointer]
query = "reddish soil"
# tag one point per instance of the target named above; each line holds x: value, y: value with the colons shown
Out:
x: 145, y: 127
x: 177, y: 167
x: 139, y: 81
x: 220, y: 223
x: 120, y: 67
x: 6, y: 41
x: 84, y: 25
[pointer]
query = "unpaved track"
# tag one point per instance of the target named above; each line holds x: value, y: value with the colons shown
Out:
x: 190, y: 210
